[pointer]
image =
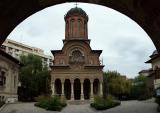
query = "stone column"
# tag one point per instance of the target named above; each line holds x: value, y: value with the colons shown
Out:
x: 82, y: 94
x: 91, y: 96
x: 101, y: 89
x: 53, y: 89
x: 62, y: 89
x: 72, y: 91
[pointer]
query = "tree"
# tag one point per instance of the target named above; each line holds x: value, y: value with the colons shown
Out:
x: 34, y: 78
x: 116, y: 85
x: 139, y: 89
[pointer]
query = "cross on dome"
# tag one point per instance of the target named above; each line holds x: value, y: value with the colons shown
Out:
x: 76, y: 4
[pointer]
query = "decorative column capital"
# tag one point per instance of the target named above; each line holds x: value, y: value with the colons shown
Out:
x: 82, y: 81
x: 62, y: 80
x: 101, y: 80
x: 91, y: 81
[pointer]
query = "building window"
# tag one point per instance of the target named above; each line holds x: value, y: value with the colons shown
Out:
x: 90, y: 62
x: 61, y: 61
x: 67, y: 28
x: 2, y: 78
x: 79, y: 26
x: 3, y: 47
x: 72, y: 27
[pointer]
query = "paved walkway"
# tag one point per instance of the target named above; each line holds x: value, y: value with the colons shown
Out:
x: 125, y: 107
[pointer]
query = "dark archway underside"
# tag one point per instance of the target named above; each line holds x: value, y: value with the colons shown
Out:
x: 145, y: 12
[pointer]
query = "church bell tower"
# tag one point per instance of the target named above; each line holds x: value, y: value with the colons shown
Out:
x: 76, y: 24
x: 77, y: 72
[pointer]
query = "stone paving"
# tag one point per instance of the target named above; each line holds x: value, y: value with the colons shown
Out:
x: 125, y: 107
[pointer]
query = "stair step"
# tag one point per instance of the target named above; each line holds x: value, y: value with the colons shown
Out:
x: 78, y: 102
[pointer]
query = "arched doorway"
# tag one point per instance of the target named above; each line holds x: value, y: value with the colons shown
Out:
x: 58, y: 87
x: 96, y: 87
x: 86, y: 88
x: 77, y: 89
x: 67, y: 89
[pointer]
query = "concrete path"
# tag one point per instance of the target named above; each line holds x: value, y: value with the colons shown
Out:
x: 125, y: 107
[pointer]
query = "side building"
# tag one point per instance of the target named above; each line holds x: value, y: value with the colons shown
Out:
x: 17, y: 49
x: 155, y: 61
x: 9, y: 71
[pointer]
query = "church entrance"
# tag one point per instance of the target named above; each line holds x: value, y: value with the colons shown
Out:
x: 67, y: 89
x: 58, y: 87
x: 96, y: 87
x: 86, y: 86
x: 77, y: 89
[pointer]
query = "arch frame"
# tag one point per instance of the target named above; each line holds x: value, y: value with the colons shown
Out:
x: 143, y: 12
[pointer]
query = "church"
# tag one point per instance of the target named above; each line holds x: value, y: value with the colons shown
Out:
x: 76, y: 73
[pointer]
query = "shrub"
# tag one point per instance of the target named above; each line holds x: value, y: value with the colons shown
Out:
x: 2, y: 103
x: 157, y: 100
x: 63, y: 102
x: 158, y: 108
x: 51, y: 103
x: 102, y: 104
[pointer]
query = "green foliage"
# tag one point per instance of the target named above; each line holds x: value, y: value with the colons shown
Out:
x: 139, y: 89
x: 51, y: 103
x: 101, y: 103
x: 116, y: 85
x: 34, y: 78
x: 122, y: 88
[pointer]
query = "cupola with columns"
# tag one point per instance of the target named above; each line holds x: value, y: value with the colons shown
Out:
x: 76, y: 21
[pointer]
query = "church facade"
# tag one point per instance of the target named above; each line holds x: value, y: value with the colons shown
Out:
x: 76, y: 72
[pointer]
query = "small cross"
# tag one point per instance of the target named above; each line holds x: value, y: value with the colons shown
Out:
x: 76, y: 4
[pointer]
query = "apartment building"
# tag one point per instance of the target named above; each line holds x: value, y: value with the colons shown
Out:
x: 16, y: 49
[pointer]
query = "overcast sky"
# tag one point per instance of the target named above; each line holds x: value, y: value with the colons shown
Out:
x: 125, y: 44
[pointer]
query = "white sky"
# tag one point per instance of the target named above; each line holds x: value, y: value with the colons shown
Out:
x: 125, y: 44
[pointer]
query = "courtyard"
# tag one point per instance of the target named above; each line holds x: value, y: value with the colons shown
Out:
x: 134, y: 106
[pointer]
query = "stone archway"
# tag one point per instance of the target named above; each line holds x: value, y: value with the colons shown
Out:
x: 96, y: 87
x: 77, y: 89
x: 58, y: 87
x: 86, y: 89
x: 67, y: 89
x: 144, y: 12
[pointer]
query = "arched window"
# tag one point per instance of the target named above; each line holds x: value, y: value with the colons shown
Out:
x: 67, y: 28
x: 79, y: 27
x: 85, y: 28
x: 2, y: 78
x: 72, y: 27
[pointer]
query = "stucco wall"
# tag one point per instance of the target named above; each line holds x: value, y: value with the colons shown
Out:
x: 8, y: 92
x: 156, y: 63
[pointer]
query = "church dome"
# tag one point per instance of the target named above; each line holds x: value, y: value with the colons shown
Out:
x: 76, y: 10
